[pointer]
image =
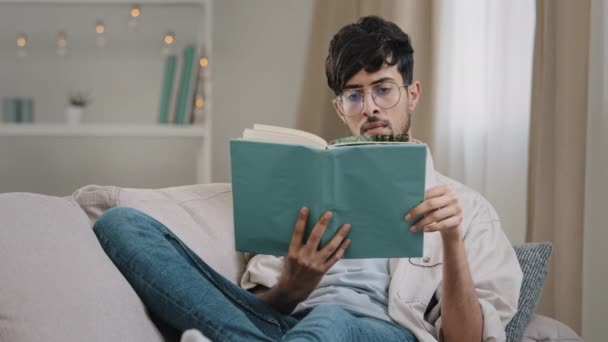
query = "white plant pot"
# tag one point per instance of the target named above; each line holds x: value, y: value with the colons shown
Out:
x: 73, y: 115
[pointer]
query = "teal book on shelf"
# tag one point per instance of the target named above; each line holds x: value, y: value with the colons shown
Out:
x: 10, y: 109
x: 183, y: 103
x: 166, y: 89
x: 26, y: 110
x: 371, y: 186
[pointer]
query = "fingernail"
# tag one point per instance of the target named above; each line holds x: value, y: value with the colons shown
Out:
x: 304, y: 210
x: 413, y: 229
x: 328, y: 214
x: 427, y: 230
x: 347, y: 226
x: 408, y: 216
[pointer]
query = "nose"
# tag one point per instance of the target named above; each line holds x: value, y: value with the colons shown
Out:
x: 370, y: 108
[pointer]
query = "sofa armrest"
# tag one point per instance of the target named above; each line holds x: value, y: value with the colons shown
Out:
x: 545, y: 329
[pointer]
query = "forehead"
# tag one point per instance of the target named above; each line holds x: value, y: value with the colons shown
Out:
x: 364, y: 78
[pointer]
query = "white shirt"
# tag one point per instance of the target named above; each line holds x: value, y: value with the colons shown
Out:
x: 359, y: 285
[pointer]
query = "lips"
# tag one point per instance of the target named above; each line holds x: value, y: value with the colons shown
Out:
x: 373, y: 125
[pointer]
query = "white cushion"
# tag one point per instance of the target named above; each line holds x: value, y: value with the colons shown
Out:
x: 200, y: 215
x: 545, y: 329
x: 57, y: 283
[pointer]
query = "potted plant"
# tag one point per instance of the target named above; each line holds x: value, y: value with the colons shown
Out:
x: 77, y: 102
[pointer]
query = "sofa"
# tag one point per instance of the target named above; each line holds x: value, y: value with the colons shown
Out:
x: 58, y: 284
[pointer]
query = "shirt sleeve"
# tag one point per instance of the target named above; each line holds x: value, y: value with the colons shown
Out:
x: 496, y: 273
x: 262, y: 270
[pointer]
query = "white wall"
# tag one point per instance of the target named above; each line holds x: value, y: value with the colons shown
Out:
x: 259, y: 54
x: 595, y: 272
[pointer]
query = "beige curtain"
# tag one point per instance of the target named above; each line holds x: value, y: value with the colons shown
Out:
x: 558, y: 124
x: 316, y: 114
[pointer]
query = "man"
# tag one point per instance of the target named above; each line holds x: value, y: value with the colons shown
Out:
x: 465, y: 288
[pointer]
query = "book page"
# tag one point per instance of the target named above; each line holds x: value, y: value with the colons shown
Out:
x: 354, y: 143
x: 315, y: 139
x: 278, y: 137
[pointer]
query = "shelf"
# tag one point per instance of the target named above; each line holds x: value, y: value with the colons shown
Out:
x: 101, y: 130
x: 106, y: 2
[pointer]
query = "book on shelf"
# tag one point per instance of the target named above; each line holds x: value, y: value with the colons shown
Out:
x: 184, y: 100
x: 167, y: 89
x: 10, y: 109
x: 17, y: 110
x: 369, y: 182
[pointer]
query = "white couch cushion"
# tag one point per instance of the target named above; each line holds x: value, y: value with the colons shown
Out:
x: 57, y: 283
x: 200, y: 215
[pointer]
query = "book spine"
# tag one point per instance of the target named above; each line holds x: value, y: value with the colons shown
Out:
x: 9, y: 109
x: 27, y: 110
x: 167, y: 87
x: 185, y: 85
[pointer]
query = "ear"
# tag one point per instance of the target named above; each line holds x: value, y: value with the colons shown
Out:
x: 340, y: 115
x: 413, y: 93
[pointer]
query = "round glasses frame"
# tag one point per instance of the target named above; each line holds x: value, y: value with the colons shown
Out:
x: 338, y: 100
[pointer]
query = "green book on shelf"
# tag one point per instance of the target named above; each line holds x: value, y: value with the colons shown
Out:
x: 184, y: 95
x: 10, y: 109
x: 166, y: 90
x: 371, y: 185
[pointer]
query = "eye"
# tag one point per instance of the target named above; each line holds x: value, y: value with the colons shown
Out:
x: 353, y: 97
x: 383, y: 90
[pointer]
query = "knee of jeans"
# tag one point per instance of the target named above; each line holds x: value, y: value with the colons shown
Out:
x: 113, y: 222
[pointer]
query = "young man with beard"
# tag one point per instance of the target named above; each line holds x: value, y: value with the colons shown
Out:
x: 466, y: 287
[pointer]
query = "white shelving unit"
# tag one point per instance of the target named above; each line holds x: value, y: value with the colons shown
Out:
x: 57, y: 158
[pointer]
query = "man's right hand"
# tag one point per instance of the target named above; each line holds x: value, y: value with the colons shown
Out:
x: 305, y: 264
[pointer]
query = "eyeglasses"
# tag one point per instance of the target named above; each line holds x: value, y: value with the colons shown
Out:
x: 385, y: 95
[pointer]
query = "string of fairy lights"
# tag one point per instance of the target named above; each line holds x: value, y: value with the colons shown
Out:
x: 135, y: 13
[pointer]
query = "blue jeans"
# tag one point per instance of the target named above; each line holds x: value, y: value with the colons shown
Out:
x: 184, y: 292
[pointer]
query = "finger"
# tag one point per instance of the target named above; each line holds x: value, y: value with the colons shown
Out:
x: 317, y: 232
x: 338, y: 254
x: 298, y: 231
x: 436, y: 191
x: 450, y: 223
x: 430, y: 205
x: 436, y: 216
x: 335, y: 242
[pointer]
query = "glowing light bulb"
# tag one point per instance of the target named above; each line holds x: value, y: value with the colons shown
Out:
x: 22, y: 41
x: 199, y: 103
x: 135, y: 11
x: 203, y: 62
x: 169, y: 39
x: 100, y: 28
x: 62, y: 44
x: 134, y: 15
x: 21, y: 46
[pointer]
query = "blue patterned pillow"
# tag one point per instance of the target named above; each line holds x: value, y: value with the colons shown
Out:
x: 534, y: 261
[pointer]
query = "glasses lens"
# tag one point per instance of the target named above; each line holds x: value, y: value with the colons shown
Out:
x: 351, y: 102
x: 386, y: 95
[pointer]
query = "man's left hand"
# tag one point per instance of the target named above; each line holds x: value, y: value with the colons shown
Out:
x: 441, y: 211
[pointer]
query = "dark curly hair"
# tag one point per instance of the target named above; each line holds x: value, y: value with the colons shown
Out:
x: 368, y: 44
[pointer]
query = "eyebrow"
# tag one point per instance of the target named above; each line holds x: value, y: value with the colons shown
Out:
x: 383, y: 79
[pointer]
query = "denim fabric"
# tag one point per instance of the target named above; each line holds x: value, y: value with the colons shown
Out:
x: 183, y: 291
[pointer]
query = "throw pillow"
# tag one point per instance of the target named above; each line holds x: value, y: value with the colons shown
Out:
x: 534, y: 261
x: 200, y: 215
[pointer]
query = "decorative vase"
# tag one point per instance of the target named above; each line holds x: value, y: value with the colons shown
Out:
x: 73, y: 115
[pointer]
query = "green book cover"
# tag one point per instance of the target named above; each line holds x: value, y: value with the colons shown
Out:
x: 167, y: 87
x: 371, y: 186
x: 185, y: 84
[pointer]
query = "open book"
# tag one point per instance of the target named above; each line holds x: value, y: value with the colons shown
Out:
x: 368, y: 183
